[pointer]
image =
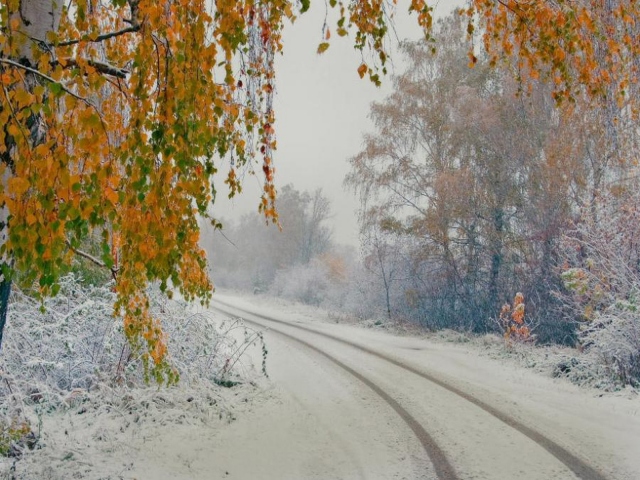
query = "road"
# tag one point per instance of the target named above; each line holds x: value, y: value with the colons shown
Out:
x: 358, y: 404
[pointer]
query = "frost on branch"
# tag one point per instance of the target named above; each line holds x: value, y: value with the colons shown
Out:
x: 602, y: 275
x: 72, y: 349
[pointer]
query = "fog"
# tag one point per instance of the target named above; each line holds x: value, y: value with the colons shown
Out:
x: 322, y: 110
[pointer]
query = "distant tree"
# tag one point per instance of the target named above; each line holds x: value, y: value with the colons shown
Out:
x: 249, y: 253
x: 384, y: 259
x: 463, y: 167
x: 317, y: 235
x: 112, y: 114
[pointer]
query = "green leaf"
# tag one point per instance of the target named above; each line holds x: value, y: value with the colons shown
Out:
x: 323, y: 47
x: 56, y: 89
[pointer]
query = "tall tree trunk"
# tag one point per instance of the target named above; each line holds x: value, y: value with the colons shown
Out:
x: 496, y: 259
x: 35, y: 19
x: 5, y: 280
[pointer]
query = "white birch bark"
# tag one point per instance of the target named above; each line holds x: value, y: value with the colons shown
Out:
x: 36, y: 18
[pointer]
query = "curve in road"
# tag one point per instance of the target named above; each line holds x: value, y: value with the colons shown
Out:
x: 441, y: 464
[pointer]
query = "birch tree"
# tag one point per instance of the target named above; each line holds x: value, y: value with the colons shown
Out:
x: 117, y: 114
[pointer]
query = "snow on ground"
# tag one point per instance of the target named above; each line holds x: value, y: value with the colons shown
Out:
x: 601, y: 426
x: 146, y: 434
x: 140, y: 433
x: 198, y: 432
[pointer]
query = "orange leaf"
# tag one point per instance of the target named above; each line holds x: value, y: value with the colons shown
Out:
x: 18, y: 185
x: 112, y: 195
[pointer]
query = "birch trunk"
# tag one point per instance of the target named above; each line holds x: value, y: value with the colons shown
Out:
x: 36, y: 19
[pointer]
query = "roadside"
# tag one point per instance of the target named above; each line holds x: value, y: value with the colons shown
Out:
x: 603, y: 427
x: 146, y: 433
x: 556, y: 361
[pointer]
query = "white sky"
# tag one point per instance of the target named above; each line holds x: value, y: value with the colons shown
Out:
x: 322, y: 109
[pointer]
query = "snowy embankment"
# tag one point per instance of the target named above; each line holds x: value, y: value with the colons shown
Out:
x: 68, y: 373
x: 73, y: 400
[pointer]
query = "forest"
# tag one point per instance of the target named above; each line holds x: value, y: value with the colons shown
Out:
x: 498, y: 191
x: 478, y: 193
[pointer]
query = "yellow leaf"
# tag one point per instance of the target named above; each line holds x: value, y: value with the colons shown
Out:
x: 323, y: 47
x: 18, y: 185
x: 362, y: 69
x: 23, y: 98
x: 13, y: 130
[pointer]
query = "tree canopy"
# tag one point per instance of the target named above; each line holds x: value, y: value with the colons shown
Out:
x: 116, y: 115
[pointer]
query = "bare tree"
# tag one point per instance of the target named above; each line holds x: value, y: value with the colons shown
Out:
x: 250, y: 253
x: 463, y: 165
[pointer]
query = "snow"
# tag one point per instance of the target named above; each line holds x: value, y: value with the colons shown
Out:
x: 600, y: 426
x: 293, y: 425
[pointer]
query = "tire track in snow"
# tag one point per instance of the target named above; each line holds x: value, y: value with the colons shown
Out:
x: 578, y: 466
x: 443, y: 468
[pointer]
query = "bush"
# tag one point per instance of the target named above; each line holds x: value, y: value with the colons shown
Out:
x: 512, y: 321
x: 69, y: 346
x: 15, y: 434
x: 613, y: 338
x: 303, y: 283
x: 602, y: 277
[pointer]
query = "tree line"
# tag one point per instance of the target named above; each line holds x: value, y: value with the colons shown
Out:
x: 476, y: 185
x: 116, y: 117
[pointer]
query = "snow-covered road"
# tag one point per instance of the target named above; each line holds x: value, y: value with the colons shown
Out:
x: 403, y: 407
x: 344, y: 402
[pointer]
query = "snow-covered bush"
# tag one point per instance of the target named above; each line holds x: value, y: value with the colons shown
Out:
x: 333, y: 281
x: 69, y: 341
x: 71, y: 346
x: 602, y: 276
x: 306, y: 283
x: 613, y: 337
x: 73, y: 341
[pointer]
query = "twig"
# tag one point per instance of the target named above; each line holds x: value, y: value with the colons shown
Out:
x: 226, y: 238
x: 91, y: 258
x: 6, y: 380
x: 48, y: 79
x: 100, y: 38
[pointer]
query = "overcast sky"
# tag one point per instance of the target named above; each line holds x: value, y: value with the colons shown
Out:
x: 322, y: 109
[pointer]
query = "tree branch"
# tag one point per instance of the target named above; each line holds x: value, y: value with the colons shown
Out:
x: 100, y: 38
x: 47, y: 78
x: 101, y: 67
x: 91, y: 258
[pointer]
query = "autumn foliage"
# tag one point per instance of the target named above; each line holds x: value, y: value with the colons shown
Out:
x: 113, y: 122
x: 116, y: 116
x: 512, y: 321
x: 588, y: 45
